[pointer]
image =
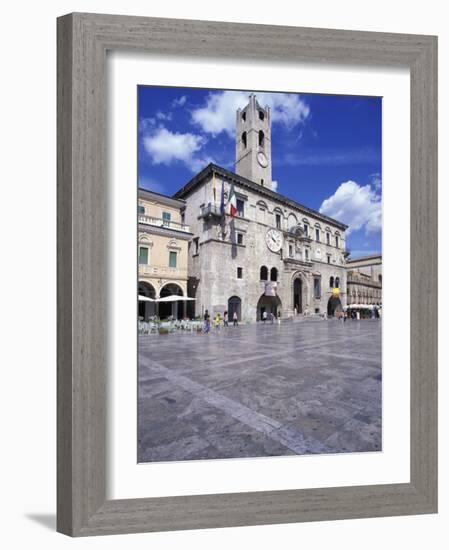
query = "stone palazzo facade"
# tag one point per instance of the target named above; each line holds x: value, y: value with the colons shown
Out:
x: 163, y: 239
x: 364, y: 280
x: 276, y: 255
x: 231, y: 265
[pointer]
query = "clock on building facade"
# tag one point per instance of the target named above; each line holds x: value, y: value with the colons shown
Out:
x: 262, y: 159
x: 273, y: 238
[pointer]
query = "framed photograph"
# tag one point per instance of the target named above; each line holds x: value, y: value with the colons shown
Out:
x: 247, y: 274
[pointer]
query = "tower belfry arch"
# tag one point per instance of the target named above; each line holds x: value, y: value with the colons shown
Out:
x: 253, y: 143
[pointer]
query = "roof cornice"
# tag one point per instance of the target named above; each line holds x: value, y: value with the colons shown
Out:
x: 264, y: 191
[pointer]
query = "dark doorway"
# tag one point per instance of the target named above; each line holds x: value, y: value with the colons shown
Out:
x: 333, y: 306
x: 270, y: 304
x: 234, y: 305
x: 297, y: 295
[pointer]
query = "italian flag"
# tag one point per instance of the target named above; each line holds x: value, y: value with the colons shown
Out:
x: 232, y: 201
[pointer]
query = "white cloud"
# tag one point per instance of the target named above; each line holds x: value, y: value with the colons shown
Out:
x: 163, y: 116
x: 218, y: 115
x: 180, y: 102
x: 355, y: 205
x: 165, y: 147
x: 146, y: 124
x: 376, y: 181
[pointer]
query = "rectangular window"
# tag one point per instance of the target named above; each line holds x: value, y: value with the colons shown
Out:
x: 196, y: 245
x: 306, y: 230
x: 317, y: 287
x: 239, y: 238
x: 328, y: 258
x: 143, y: 255
x: 278, y: 221
x: 173, y: 259
x: 307, y: 254
x: 290, y: 250
x: 317, y: 235
x: 336, y: 241
x: 240, y: 273
x: 141, y: 209
x: 328, y: 238
x: 166, y: 217
x: 241, y: 208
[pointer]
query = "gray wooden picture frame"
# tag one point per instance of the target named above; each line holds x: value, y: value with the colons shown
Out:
x: 83, y: 40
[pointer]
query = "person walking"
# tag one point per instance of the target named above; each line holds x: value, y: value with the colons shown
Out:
x: 235, y: 320
x: 264, y: 316
x: 225, y: 319
x: 206, y: 321
x: 217, y: 321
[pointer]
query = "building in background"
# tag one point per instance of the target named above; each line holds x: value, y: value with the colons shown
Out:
x: 364, y: 280
x: 274, y: 254
x: 162, y: 253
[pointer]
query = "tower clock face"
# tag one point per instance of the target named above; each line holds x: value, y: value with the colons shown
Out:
x: 273, y: 238
x: 262, y: 159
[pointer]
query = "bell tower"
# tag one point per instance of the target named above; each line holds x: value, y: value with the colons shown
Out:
x: 253, y: 143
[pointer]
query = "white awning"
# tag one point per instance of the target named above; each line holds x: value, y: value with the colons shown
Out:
x: 174, y: 298
x: 145, y: 299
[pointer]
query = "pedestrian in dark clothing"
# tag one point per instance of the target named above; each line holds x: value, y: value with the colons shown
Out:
x: 206, y: 321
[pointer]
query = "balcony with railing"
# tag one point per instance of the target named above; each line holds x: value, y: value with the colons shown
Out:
x: 159, y: 222
x: 210, y: 211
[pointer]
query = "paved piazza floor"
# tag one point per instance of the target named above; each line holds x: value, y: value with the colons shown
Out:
x: 300, y: 387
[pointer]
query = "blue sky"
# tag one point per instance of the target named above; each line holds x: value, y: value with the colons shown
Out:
x: 326, y: 149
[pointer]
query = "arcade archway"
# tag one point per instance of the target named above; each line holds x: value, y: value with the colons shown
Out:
x: 171, y: 309
x: 270, y: 304
x: 146, y: 309
x: 334, y: 306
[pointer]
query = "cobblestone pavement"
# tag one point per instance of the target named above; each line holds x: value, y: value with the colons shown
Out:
x: 266, y: 390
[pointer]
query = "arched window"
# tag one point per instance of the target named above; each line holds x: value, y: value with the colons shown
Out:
x: 273, y: 274
x: 261, y: 138
x: 244, y: 139
x: 337, y: 282
x: 244, y: 115
x: 264, y: 273
x: 261, y: 115
x: 331, y: 282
